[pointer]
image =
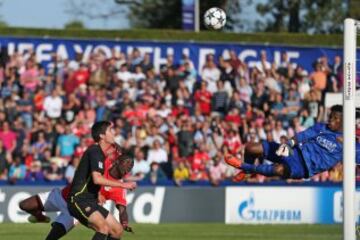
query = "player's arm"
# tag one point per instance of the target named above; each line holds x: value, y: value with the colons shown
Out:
x: 309, y: 133
x: 99, y: 179
x: 96, y: 167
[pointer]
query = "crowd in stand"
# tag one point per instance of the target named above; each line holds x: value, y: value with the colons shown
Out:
x: 178, y: 122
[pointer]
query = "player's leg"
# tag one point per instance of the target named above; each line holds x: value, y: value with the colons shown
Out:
x: 124, y: 218
x: 57, y: 231
x: 90, y: 215
x: 63, y: 223
x: 34, y: 206
x: 97, y: 221
x: 115, y: 230
x: 264, y: 149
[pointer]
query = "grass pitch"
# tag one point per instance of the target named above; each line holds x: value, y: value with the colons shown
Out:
x: 206, y: 231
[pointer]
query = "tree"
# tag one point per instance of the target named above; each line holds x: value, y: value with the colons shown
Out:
x: 94, y: 9
x: 168, y: 14
x: 75, y: 24
x: 317, y: 16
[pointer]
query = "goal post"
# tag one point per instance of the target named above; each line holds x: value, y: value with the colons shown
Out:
x: 349, y: 183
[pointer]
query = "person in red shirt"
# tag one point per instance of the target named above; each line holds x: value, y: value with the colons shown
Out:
x: 233, y: 142
x: 198, y: 164
x: 80, y: 76
x: 203, y: 99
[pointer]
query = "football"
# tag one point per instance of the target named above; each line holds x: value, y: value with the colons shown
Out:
x: 215, y: 18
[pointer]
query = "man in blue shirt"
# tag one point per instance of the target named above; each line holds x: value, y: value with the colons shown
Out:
x: 312, y: 151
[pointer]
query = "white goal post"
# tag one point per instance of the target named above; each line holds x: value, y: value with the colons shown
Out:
x: 349, y: 184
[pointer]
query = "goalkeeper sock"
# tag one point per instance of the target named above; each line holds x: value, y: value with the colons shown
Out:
x: 263, y: 169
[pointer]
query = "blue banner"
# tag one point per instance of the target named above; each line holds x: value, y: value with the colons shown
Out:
x: 188, y: 15
x: 249, y: 53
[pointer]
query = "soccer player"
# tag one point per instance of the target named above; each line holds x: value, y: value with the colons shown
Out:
x: 82, y: 200
x: 52, y: 201
x: 312, y: 151
x: 55, y: 201
x: 117, y: 195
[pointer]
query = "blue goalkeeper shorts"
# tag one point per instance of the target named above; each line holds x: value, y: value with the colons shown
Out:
x: 295, y: 162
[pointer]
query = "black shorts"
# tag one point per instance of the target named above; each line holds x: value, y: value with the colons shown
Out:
x: 82, y: 208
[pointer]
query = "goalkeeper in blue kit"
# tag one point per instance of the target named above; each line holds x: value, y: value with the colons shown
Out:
x: 312, y: 151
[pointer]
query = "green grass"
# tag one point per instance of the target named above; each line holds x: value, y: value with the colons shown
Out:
x: 10, y: 231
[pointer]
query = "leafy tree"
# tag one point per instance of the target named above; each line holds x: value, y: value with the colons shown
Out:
x: 75, y: 24
x: 311, y: 16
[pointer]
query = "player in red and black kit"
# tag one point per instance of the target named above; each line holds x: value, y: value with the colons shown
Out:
x: 117, y: 195
x: 82, y: 200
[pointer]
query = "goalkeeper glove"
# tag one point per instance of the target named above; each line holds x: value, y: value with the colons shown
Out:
x: 285, y: 150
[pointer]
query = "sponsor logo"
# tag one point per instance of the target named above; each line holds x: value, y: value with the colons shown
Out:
x: 329, y: 145
x: 248, y: 211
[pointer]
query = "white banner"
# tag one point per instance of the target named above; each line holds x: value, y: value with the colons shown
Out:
x: 285, y: 205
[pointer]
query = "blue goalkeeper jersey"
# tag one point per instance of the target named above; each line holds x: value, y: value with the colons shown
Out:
x: 321, y: 149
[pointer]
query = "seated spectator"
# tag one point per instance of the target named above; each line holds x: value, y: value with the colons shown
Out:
x: 70, y: 169
x: 198, y: 163
x: 217, y: 171
x: 157, y: 153
x: 35, y: 172
x: 17, y: 170
x: 156, y: 174
x: 181, y: 173
x: 141, y: 166
x: 54, y: 172
x: 8, y: 137
x: 5, y: 159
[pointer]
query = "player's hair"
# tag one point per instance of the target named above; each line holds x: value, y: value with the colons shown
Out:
x: 337, y: 108
x: 99, y: 128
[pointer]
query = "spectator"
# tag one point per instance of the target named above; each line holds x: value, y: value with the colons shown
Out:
x: 35, y: 172
x: 181, y: 173
x: 17, y: 170
x: 220, y: 99
x: 141, y: 166
x: 8, y: 137
x: 157, y: 153
x: 53, y: 172
x: 217, y: 171
x: 67, y: 143
x: 5, y: 160
x: 210, y: 73
x: 156, y: 174
x: 53, y: 105
x: 70, y: 169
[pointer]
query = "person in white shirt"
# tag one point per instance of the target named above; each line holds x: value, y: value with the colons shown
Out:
x: 53, y: 105
x: 211, y: 74
x: 141, y: 166
x: 124, y: 75
x: 157, y: 153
